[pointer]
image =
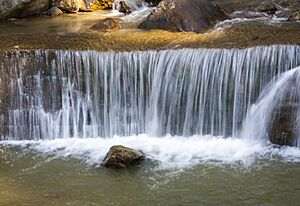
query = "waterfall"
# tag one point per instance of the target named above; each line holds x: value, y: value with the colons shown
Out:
x: 283, y: 91
x: 60, y: 94
x: 133, y: 4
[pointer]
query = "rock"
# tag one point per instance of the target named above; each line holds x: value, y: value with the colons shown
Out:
x: 102, y: 4
x: 54, y: 12
x: 295, y: 15
x: 184, y: 15
x: 284, y: 14
x: 124, y: 8
x: 153, y: 2
x: 282, y: 128
x: 71, y: 6
x: 22, y: 8
x: 268, y: 7
x: 122, y: 157
x: 107, y: 24
x: 248, y: 15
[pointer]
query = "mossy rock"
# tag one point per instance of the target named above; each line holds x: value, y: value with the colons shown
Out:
x: 122, y: 157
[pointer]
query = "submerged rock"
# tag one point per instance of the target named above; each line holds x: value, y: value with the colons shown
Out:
x: 22, y: 8
x: 122, y: 157
x: 107, y: 24
x: 183, y: 15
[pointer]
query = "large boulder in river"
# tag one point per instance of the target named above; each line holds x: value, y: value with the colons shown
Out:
x: 283, y: 126
x: 122, y: 157
x: 184, y: 15
x: 22, y: 8
x: 107, y: 24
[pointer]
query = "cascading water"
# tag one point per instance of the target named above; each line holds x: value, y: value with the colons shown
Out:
x: 140, y: 11
x: 60, y: 94
x: 281, y: 92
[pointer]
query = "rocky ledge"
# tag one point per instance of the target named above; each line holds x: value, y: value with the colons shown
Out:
x: 242, y: 36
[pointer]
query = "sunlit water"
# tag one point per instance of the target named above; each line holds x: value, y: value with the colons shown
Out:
x: 180, y: 171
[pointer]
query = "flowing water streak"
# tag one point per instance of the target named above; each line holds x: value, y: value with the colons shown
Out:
x: 60, y: 94
x: 280, y: 92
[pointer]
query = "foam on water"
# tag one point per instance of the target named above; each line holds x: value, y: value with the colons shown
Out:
x: 170, y: 152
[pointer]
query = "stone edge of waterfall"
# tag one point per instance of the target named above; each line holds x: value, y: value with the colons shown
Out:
x: 14, y: 50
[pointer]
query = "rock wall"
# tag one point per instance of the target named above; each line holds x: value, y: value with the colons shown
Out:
x: 22, y: 8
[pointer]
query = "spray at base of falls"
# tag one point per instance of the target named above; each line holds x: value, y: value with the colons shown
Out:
x: 63, y: 94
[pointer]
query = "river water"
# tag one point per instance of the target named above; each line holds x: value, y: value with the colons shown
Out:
x: 183, y: 171
x: 184, y: 108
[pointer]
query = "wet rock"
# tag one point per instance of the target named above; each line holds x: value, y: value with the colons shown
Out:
x: 107, y: 24
x: 286, y: 14
x: 248, y: 15
x: 122, y: 157
x: 268, y: 7
x: 282, y: 129
x: 124, y: 8
x: 153, y: 2
x: 22, y: 8
x: 54, y: 12
x: 295, y: 15
x: 183, y: 15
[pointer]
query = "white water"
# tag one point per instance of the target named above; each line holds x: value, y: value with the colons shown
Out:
x: 140, y: 11
x: 170, y: 152
x: 68, y: 102
x: 178, y: 92
x: 286, y: 85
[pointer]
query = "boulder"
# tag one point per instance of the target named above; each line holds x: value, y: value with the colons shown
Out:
x: 107, y: 24
x: 268, y: 7
x: 184, y: 15
x: 295, y: 15
x: 54, y: 12
x: 122, y: 157
x: 153, y: 2
x: 71, y: 6
x: 282, y: 129
x: 101, y: 4
x: 124, y: 8
x: 22, y: 8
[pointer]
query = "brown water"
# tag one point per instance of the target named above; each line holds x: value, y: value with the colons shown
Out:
x: 67, y: 23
